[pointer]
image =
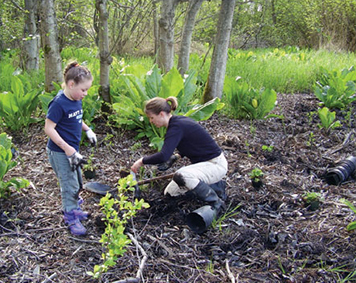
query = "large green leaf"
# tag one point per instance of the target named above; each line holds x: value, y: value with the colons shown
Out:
x: 5, y: 141
x: 17, y: 86
x: 204, y: 112
x: 267, y: 103
x: 186, y: 95
x: 3, y: 168
x: 351, y: 226
x: 136, y: 70
x: 8, y: 105
x: 132, y: 91
x: 18, y: 183
x: 172, y: 84
x: 153, y: 82
x: 127, y: 112
x: 45, y: 100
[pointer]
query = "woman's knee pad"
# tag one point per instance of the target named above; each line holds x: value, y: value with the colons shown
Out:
x: 178, y: 178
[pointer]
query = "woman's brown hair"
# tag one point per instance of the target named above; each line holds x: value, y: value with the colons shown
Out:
x: 158, y: 104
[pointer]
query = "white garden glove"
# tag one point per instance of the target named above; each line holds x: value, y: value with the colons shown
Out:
x: 76, y: 160
x: 91, y: 136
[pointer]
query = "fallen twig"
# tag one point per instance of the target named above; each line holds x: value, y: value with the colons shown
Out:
x: 340, y: 147
x: 229, y: 273
x: 143, y: 261
x: 49, y: 279
x: 142, y: 264
x: 168, y: 250
x: 84, y: 241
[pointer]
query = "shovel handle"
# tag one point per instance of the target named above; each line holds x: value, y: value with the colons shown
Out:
x: 103, y: 189
x: 142, y: 182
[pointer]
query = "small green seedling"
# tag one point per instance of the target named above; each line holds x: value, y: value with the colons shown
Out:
x: 256, y: 177
x: 312, y: 200
x: 136, y: 146
x: 248, y: 148
x: 311, y: 140
x: 228, y: 214
x: 256, y: 174
x: 267, y: 148
x: 311, y: 196
x: 90, y: 165
x: 327, y: 119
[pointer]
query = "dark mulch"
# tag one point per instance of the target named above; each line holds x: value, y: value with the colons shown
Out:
x: 274, y: 237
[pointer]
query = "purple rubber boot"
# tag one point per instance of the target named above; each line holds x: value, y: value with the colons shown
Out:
x: 79, y: 213
x: 73, y: 222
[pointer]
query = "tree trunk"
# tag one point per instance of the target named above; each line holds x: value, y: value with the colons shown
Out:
x: 104, y: 52
x: 166, y: 35
x: 50, y: 44
x: 274, y: 16
x: 1, y: 38
x: 215, y: 83
x: 31, y: 43
x: 183, y: 61
x: 155, y: 29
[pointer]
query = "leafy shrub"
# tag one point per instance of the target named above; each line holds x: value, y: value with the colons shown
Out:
x: 17, y: 107
x: 336, y: 89
x: 30, y: 79
x: 81, y: 55
x: 135, y: 90
x: 245, y: 102
x: 6, y: 163
x: 118, y: 211
x: 91, y: 104
x: 46, y: 98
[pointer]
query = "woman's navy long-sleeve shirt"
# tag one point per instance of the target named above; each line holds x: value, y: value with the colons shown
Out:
x: 190, y: 139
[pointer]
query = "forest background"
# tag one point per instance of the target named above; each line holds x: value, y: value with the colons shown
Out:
x: 277, y: 45
x: 35, y: 30
x: 201, y: 36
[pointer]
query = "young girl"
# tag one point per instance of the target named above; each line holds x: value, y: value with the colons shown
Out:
x: 209, y: 166
x: 64, y: 124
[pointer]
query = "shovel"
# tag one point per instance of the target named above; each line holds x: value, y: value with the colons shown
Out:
x: 102, y: 189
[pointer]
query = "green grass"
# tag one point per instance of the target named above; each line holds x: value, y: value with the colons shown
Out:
x: 284, y: 70
x: 287, y: 70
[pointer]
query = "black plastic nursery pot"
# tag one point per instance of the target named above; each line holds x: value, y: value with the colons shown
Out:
x: 89, y: 174
x: 257, y: 184
x: 340, y: 173
x: 200, y: 219
x: 313, y: 205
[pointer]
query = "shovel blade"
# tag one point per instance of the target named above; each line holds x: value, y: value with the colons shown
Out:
x: 96, y: 187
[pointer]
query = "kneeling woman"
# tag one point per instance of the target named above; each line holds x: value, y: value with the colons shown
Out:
x: 204, y: 176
